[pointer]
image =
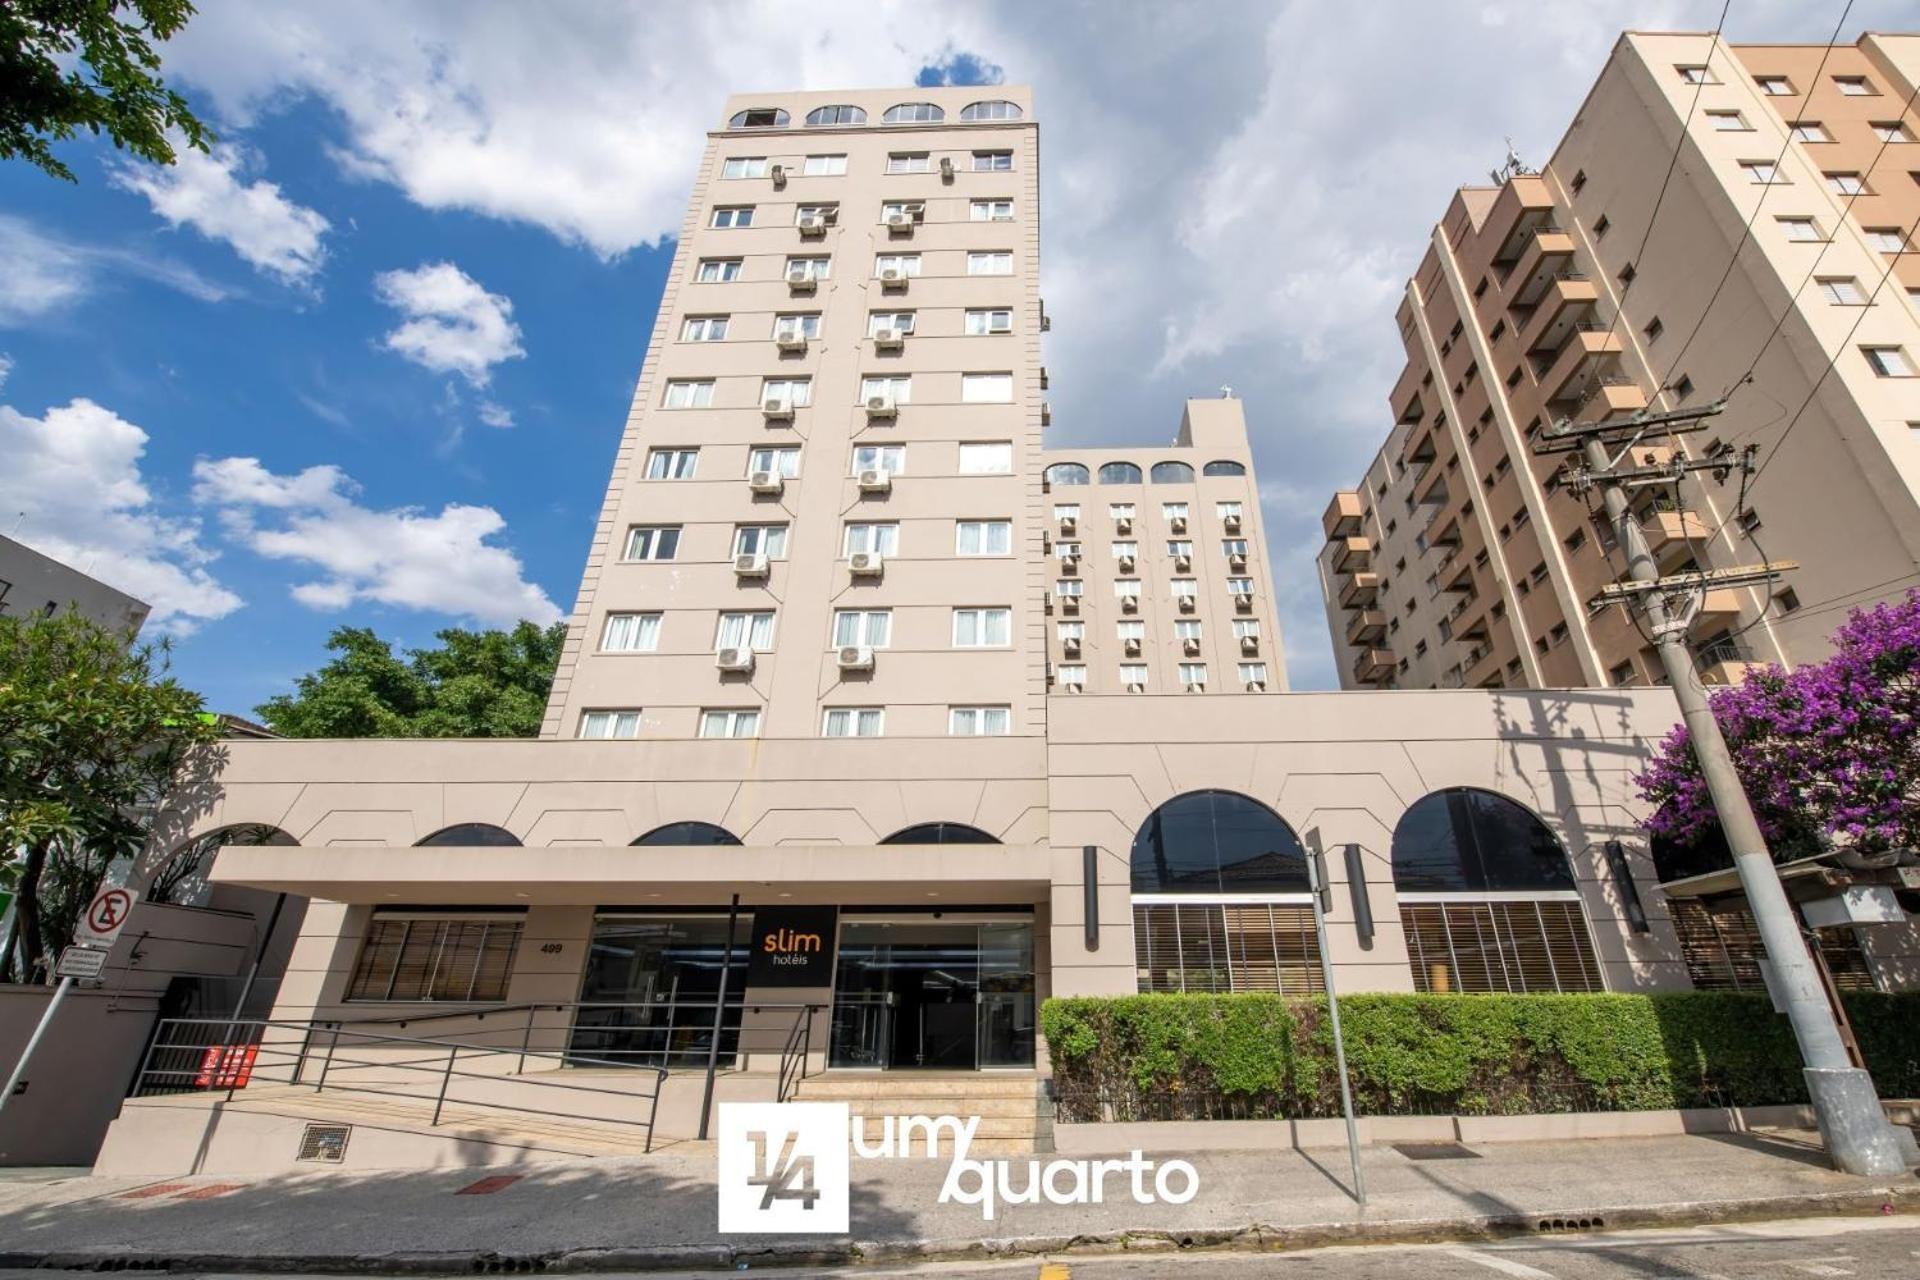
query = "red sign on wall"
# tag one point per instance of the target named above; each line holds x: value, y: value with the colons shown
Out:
x: 226, y: 1066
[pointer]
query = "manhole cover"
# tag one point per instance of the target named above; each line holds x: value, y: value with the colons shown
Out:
x: 1435, y: 1151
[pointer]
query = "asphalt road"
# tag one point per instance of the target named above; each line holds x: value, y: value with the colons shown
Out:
x: 1782, y: 1250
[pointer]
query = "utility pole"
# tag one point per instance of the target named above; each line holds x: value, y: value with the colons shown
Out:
x: 1858, y: 1138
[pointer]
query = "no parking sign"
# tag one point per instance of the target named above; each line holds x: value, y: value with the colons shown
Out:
x: 105, y: 916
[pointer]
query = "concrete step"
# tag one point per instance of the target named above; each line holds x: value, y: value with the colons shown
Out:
x: 917, y: 1085
x: 985, y: 1108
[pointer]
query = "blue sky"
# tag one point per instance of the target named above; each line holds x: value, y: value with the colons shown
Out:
x: 369, y: 363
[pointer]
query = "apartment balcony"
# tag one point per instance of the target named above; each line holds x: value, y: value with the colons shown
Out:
x: 1670, y: 531
x: 1543, y: 259
x: 1419, y: 449
x: 1719, y: 607
x: 1567, y: 301
x: 1523, y: 206
x: 1590, y: 353
x: 1343, y: 515
x: 1618, y: 396
x: 1361, y: 590
x: 1366, y: 627
x: 1404, y: 399
x: 1373, y: 666
x: 1350, y: 555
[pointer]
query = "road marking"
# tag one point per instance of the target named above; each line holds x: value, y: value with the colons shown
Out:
x: 157, y: 1189
x: 1055, y: 1271
x: 209, y: 1191
x: 1506, y: 1266
x: 487, y: 1186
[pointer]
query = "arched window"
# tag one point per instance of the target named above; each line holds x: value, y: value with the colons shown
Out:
x: 1172, y: 473
x: 703, y: 833
x: 995, y: 109
x: 914, y: 113
x: 1066, y: 473
x: 837, y: 115
x: 940, y: 833
x: 1220, y: 899
x: 758, y: 118
x: 1488, y: 899
x: 182, y: 878
x: 1223, y: 468
x: 477, y: 835
x: 1119, y: 473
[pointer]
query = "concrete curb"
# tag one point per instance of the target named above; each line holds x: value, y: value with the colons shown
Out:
x: 1253, y: 1237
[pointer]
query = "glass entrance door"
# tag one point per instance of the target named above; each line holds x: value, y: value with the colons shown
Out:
x: 647, y: 997
x: 942, y: 994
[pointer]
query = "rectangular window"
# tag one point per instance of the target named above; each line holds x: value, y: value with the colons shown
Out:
x: 1810, y: 131
x: 1887, y: 239
x: 890, y: 458
x: 990, y: 211
x: 1117, y: 510
x: 990, y: 264
x: 1193, y: 673
x: 1186, y: 629
x: 1842, y: 291
x: 986, y: 458
x: 1499, y: 946
x: 1070, y: 630
x: 899, y: 386
x: 1762, y: 172
x: 907, y: 264
x: 784, y: 463
x: 824, y: 166
x: 1067, y: 550
x: 990, y: 321
x: 1891, y: 131
x: 910, y: 162
x: 1888, y: 362
x: 815, y: 269
x: 1071, y: 675
x: 1695, y: 75
x: 1184, y: 589
x: 895, y: 209
x: 854, y: 722
x: 1227, y: 511
x: 1240, y: 586
x: 1124, y: 550
x: 730, y: 723
x: 986, y: 388
x: 1846, y: 184
x: 1246, y: 628
x: 796, y: 326
x: 703, y: 329
x: 865, y: 539
x: 1126, y: 588
x: 418, y: 956
x: 1804, y: 230
x: 630, y: 633
x: 983, y: 538
x: 1233, y: 546
x: 652, y: 541
x: 744, y: 167
x: 1775, y: 86
x: 609, y: 724
x: 803, y: 214
x: 993, y: 161
x: 797, y: 392
x: 871, y: 628
x: 1069, y: 587
x: 898, y: 321
x: 671, y: 464
x: 718, y: 271
x: 744, y: 631
x: 1130, y: 629
x: 733, y: 216
x: 982, y: 628
x: 1133, y: 675
x: 1855, y: 86
x: 1728, y: 122
x: 980, y: 722
x: 1177, y: 547
x: 689, y: 395
x: 1173, y: 511
x: 769, y: 540
x: 1206, y: 947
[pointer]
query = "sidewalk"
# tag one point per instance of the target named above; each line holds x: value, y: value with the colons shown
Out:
x: 659, y: 1211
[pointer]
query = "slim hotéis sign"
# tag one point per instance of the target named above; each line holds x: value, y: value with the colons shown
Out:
x: 792, y: 946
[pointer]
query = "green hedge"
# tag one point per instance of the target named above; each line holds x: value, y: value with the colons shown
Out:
x: 1259, y: 1056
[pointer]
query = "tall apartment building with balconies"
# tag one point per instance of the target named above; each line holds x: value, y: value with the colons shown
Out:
x: 1462, y: 558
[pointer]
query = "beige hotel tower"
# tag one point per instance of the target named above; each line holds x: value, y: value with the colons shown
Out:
x: 945, y: 720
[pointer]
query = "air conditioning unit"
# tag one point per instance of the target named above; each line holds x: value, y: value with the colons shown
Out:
x: 881, y: 406
x: 1129, y: 604
x: 812, y: 224
x: 734, y: 659
x: 750, y: 566
x: 800, y: 279
x: 893, y: 279
x: 1195, y: 686
x: 1237, y: 562
x: 1069, y: 564
x: 1136, y: 687
x: 1070, y: 604
x: 946, y: 168
x: 779, y: 175
x: 1186, y: 604
x: 1132, y: 645
x: 874, y: 480
x: 790, y: 340
x: 1256, y: 686
x: 1191, y: 644
x: 1231, y: 523
x: 1178, y: 524
x: 1243, y: 602
x: 899, y: 223
x: 1249, y: 644
x: 1183, y: 564
x: 1123, y: 524
x: 1126, y: 564
x: 866, y: 564
x: 889, y: 339
x: 1068, y: 524
x: 766, y: 482
x: 1071, y: 646
x: 776, y: 407
x: 854, y: 657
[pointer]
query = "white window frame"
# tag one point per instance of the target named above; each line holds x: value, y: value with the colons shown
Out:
x: 1252, y: 671
x: 769, y: 540
x: 878, y: 320
x: 1775, y: 86
x: 732, y: 217
x: 1846, y: 184
x: 907, y: 264
x: 915, y: 209
x: 718, y: 270
x: 1193, y: 673
x: 863, y: 628
x: 816, y: 268
x: 1126, y: 547
x: 984, y: 388
x: 755, y: 627
x: 1177, y: 547
x: 1855, y: 87
x: 829, y: 165
x: 782, y: 461
x: 909, y: 162
x: 1887, y: 239
x: 1809, y: 131
x: 1188, y: 629
x: 1183, y: 588
x: 614, y: 720
x: 1891, y: 131
x: 987, y: 262
x: 991, y: 721
x: 1228, y: 510
x: 1888, y: 360
x: 1842, y: 291
x: 897, y: 385
x: 737, y: 167
x: 1175, y: 511
x: 789, y: 325
x: 890, y: 458
x: 730, y: 721
x: 981, y: 620
x: 651, y: 533
x: 1728, y: 121
x: 986, y: 322
x: 828, y: 211
x: 1126, y: 588
x: 1069, y: 587
x: 1240, y: 586
x: 797, y: 392
x: 870, y: 537
x: 1792, y: 224
x: 1071, y: 674
x: 853, y: 722
x: 990, y: 210
x: 992, y: 159
x: 688, y: 393
x: 1125, y: 629
x: 1066, y: 511
x: 992, y: 538
x: 704, y: 328
x: 1763, y: 173
x: 1133, y: 673
x: 1074, y: 629
x: 975, y: 453
x: 1244, y: 627
x: 640, y: 627
x: 671, y: 463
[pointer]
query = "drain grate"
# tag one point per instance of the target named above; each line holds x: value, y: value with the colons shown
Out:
x: 1435, y: 1151
x: 324, y: 1142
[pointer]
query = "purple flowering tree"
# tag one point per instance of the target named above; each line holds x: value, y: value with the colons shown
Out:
x: 1829, y: 753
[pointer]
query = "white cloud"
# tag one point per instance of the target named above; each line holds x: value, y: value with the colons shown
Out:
x: 494, y: 414
x: 42, y: 274
x: 451, y: 324
x: 72, y: 481
x: 6, y: 367
x: 205, y: 192
x: 403, y: 556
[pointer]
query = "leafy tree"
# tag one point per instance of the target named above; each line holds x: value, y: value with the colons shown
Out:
x: 476, y: 684
x: 1829, y: 753
x: 47, y: 93
x: 93, y: 734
